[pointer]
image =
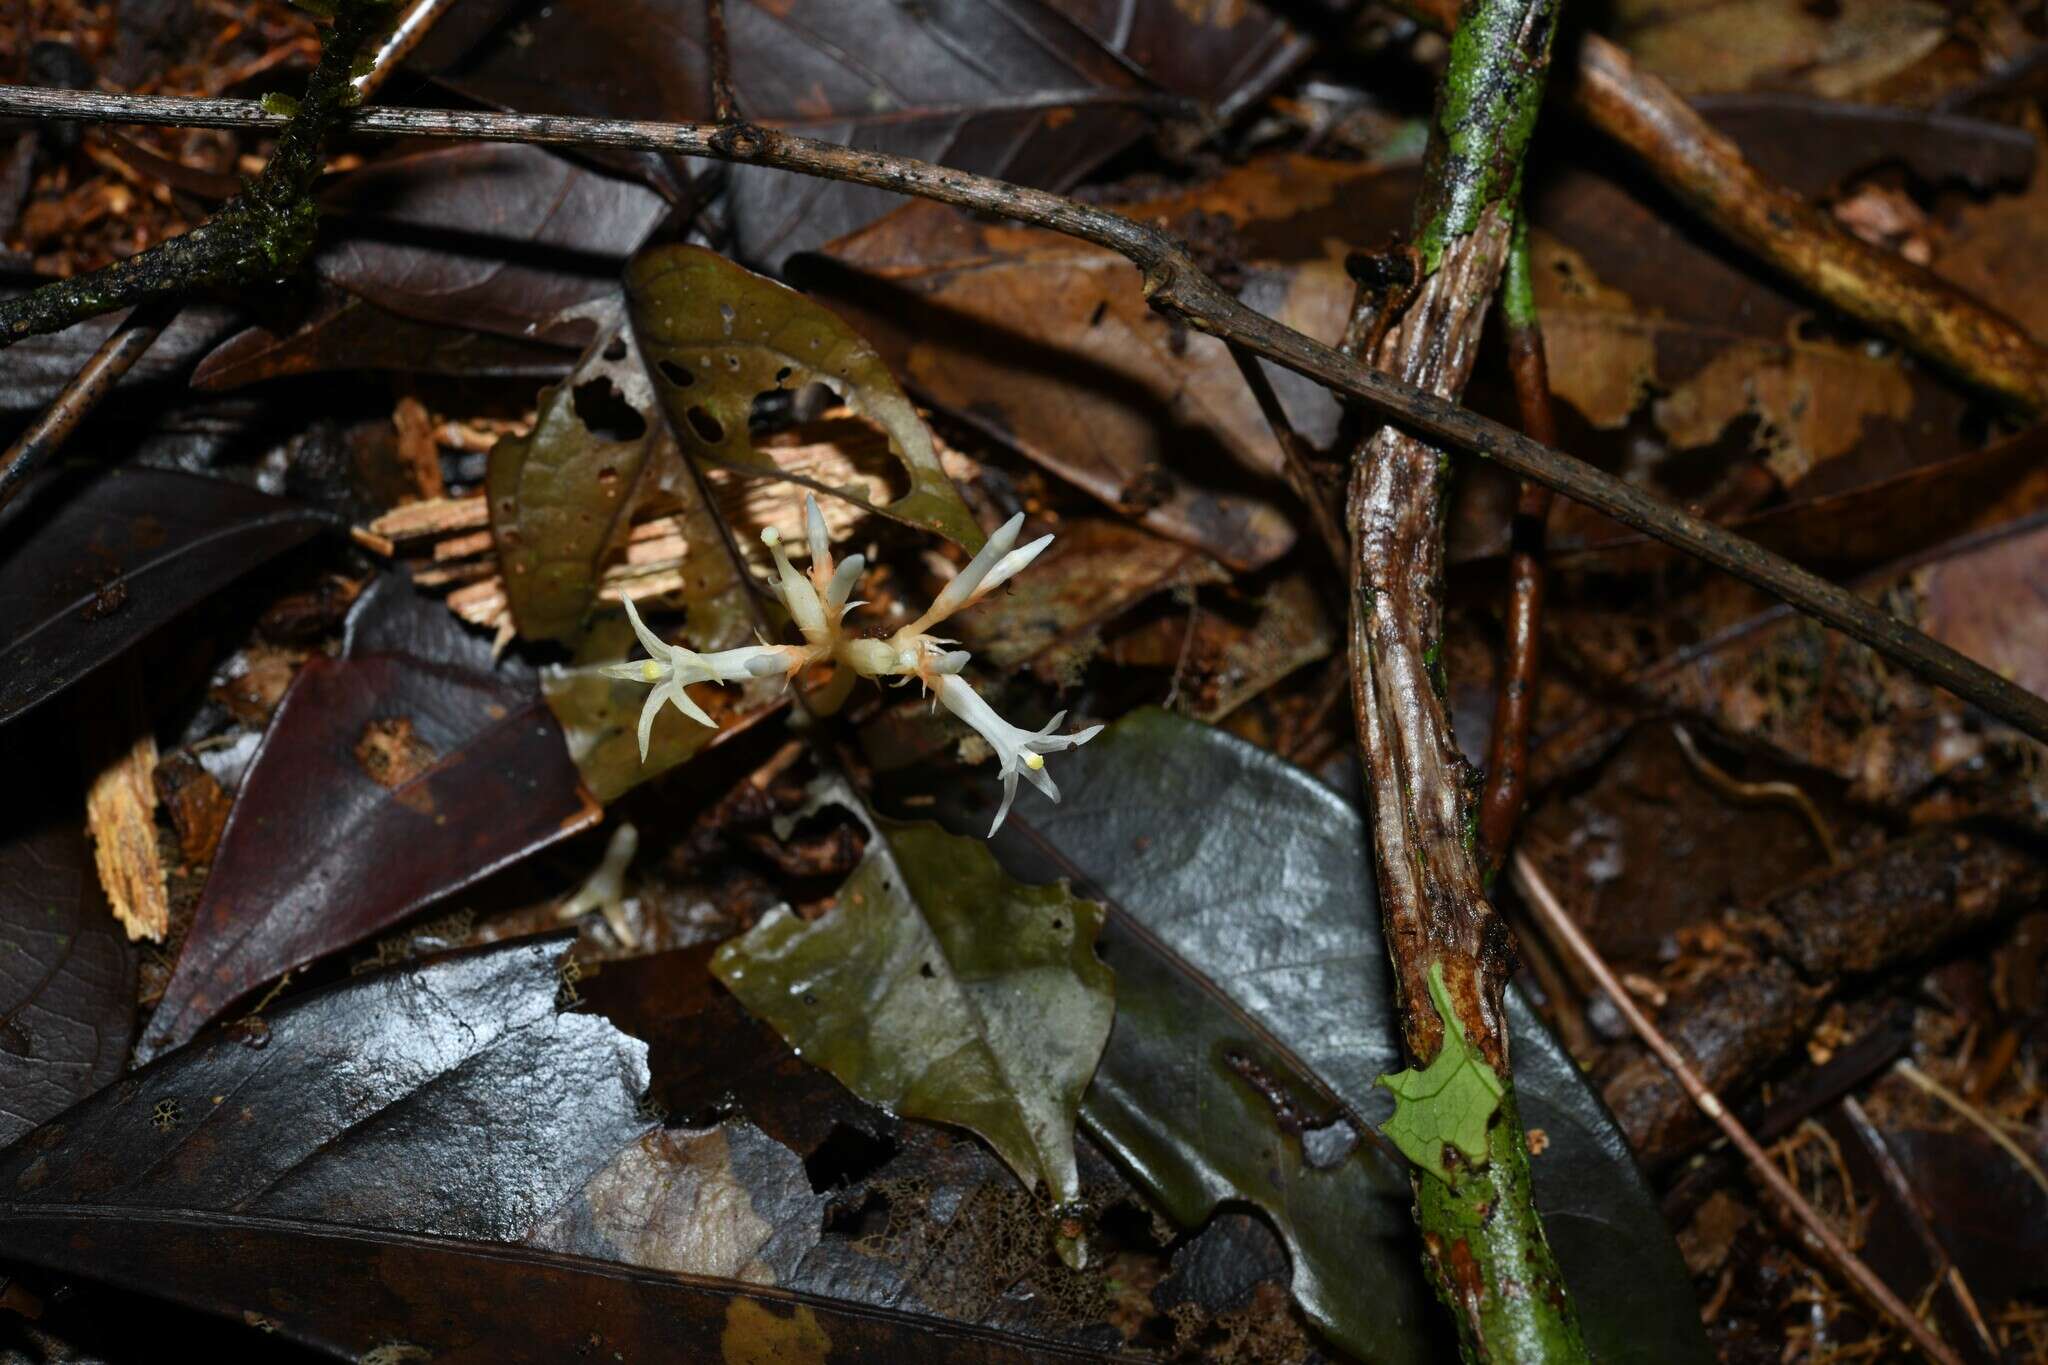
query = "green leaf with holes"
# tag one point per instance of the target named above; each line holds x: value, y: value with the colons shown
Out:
x: 561, y: 496
x: 1447, y: 1103
x: 941, y: 988
x: 717, y: 336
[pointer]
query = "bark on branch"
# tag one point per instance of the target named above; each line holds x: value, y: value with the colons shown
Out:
x: 1175, y: 285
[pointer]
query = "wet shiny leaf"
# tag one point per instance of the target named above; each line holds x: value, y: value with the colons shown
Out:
x: 716, y: 336
x: 96, y: 564
x: 938, y: 988
x: 411, y: 1146
x: 1254, y: 1015
x: 385, y: 781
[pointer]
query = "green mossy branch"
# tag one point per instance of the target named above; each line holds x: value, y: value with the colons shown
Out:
x: 258, y: 237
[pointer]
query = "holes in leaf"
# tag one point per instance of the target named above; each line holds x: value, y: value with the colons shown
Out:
x: 606, y: 413
x: 708, y: 428
x: 924, y: 970
x: 675, y: 374
x: 615, y: 350
x: 847, y: 1156
x: 858, y: 1219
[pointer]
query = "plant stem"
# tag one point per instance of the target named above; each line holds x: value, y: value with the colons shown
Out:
x: 1507, y: 760
x: 1175, y: 285
x: 1483, y: 1241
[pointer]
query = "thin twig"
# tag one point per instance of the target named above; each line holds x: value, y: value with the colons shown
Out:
x: 1175, y: 284
x: 1294, y: 456
x: 725, y: 105
x: 1545, y: 903
x: 1976, y: 1117
x: 136, y: 333
x: 1514, y: 706
x: 1785, y: 793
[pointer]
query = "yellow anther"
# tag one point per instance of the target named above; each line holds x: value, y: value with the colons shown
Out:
x: 651, y: 671
x: 1034, y: 761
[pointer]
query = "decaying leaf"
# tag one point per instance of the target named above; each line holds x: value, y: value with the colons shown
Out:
x: 716, y: 336
x: 940, y: 989
x: 560, y: 496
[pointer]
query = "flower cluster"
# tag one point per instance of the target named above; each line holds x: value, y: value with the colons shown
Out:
x: 817, y: 603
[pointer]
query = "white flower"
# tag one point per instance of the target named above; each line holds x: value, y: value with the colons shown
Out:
x: 818, y: 603
x: 670, y: 668
x: 996, y: 565
x: 1017, y: 750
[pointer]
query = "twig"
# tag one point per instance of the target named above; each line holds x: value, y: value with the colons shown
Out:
x: 1175, y: 285
x: 1540, y: 897
x: 1514, y: 706
x: 1294, y: 456
x: 1913, y: 306
x: 1787, y: 793
x: 725, y: 106
x: 1974, y: 1116
x: 129, y: 341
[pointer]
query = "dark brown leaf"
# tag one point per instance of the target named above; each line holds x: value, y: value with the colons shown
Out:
x: 344, y: 332
x: 385, y: 781
x: 368, y: 1177
x: 489, y: 237
x: 1038, y: 91
x: 67, y: 972
x: 92, y: 569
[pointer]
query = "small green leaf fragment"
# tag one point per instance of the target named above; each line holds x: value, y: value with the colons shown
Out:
x: 283, y: 105
x: 1450, y: 1101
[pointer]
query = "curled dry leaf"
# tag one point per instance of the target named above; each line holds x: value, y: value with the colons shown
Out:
x: 938, y: 988
x: 716, y: 336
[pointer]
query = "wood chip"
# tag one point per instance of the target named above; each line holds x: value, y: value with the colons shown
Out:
x: 120, y: 810
x: 438, y: 517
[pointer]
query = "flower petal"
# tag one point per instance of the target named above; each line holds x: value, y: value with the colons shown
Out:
x: 653, y: 643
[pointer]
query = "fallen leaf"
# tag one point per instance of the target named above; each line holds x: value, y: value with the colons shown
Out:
x: 1254, y: 1014
x: 99, y: 565
x: 490, y: 237
x: 560, y: 496
x: 67, y: 972
x: 1038, y: 91
x: 939, y: 989
x: 385, y: 781
x: 395, y: 1140
x: 716, y: 336
x: 343, y: 332
x: 120, y: 812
